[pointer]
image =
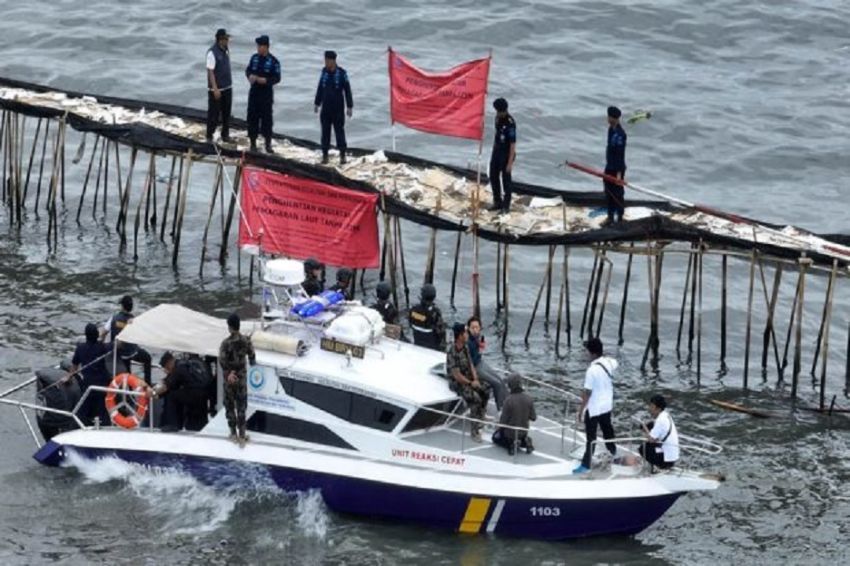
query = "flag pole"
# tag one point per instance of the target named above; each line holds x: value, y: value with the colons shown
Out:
x: 390, y: 73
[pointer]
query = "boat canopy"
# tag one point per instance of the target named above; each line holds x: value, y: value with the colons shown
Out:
x: 173, y: 327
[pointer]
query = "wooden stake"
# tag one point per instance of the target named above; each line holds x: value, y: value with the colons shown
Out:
x: 505, y: 285
x: 181, y: 210
x: 41, y: 166
x: 499, y: 275
x: 620, y: 340
x: 749, y: 318
x: 177, y: 198
x: 231, y: 209
x: 168, y: 199
x: 88, y: 174
x: 790, y: 327
x: 63, y: 124
x: 699, y: 313
x: 97, y: 179
x: 769, y: 330
x: 589, y: 292
x: 684, y: 304
x: 691, y: 320
x: 454, y: 268
x: 549, y: 269
x: 546, y: 277
x: 604, y: 299
x: 827, y: 304
x: 831, y: 287
x: 121, y: 226
x: 219, y: 179
x: 798, y: 343
x: 561, y: 304
x: 142, y: 199
x: 595, y: 300
x: 400, y: 242
x: 725, y: 261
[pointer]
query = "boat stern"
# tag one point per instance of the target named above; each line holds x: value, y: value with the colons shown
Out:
x: 51, y: 454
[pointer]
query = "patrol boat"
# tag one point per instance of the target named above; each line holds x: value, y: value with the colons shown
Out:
x: 337, y: 406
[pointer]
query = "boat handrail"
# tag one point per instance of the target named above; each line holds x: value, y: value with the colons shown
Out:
x: 709, y: 447
x: 542, y: 383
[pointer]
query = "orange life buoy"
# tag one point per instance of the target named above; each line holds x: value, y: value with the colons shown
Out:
x: 133, y: 413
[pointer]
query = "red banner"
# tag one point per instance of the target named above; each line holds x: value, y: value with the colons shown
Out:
x: 449, y: 103
x: 302, y: 218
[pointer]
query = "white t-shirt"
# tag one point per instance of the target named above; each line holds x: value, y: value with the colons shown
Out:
x: 665, y: 428
x: 210, y: 60
x: 598, y: 382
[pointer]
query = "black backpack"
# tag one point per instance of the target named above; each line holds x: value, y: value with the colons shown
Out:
x: 197, y: 376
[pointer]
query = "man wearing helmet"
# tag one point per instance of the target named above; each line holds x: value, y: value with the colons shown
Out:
x: 384, y: 305
x: 313, y: 284
x: 343, y: 282
x: 426, y: 321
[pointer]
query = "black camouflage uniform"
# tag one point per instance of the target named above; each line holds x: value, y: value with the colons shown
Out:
x: 231, y: 356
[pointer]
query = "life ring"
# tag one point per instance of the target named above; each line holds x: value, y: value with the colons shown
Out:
x: 134, y: 413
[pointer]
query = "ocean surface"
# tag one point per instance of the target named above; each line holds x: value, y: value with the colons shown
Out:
x: 751, y: 113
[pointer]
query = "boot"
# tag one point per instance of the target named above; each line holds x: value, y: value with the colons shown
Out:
x: 494, y: 207
x: 269, y: 146
x: 253, y: 144
x: 325, y: 158
x: 342, y: 158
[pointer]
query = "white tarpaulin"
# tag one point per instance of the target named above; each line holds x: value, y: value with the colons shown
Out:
x: 172, y: 327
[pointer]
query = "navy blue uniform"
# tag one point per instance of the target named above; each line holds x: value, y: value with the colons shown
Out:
x: 615, y: 164
x: 94, y: 374
x: 261, y: 97
x: 500, y: 177
x: 333, y: 94
x: 128, y: 352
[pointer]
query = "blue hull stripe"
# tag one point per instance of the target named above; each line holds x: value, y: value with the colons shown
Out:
x: 526, y: 518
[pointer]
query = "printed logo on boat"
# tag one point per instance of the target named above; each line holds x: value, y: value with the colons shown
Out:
x: 256, y: 377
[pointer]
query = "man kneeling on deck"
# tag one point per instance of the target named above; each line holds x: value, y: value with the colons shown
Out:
x: 464, y: 381
x: 185, y: 393
x: 517, y: 411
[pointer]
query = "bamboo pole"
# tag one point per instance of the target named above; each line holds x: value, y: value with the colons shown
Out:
x: 561, y: 304
x: 63, y: 124
x: 769, y: 330
x: 86, y: 181
x: 121, y: 226
x: 651, y: 280
x: 596, y: 288
x: 684, y: 304
x: 790, y: 326
x: 41, y: 166
x: 4, y: 134
x: 505, y: 285
x: 692, y: 319
x: 827, y: 305
x: 454, y: 269
x: 97, y: 179
x: 604, y: 298
x: 150, y: 190
x: 831, y: 287
x: 620, y: 339
x: 749, y: 318
x: 724, y: 271
x: 798, y: 342
x: 400, y: 242
x: 699, y: 314
x: 231, y: 209
x: 167, y: 202
x: 18, y: 165
x: 549, y: 269
x: 589, y: 292
x: 499, y: 274
x: 393, y: 257
x: 52, y: 219
x: 476, y: 291
x: 142, y: 199
x: 432, y: 247
x: 847, y: 364
x: 177, y: 198
x: 181, y: 210
x: 656, y: 342
x: 217, y: 184
x: 547, y: 276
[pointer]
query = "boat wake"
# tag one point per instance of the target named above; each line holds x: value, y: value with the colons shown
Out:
x: 179, y: 503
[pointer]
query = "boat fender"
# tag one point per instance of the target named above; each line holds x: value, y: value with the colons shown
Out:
x: 278, y: 343
x: 128, y: 418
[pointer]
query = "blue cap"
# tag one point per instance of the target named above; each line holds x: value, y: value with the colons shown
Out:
x: 263, y: 40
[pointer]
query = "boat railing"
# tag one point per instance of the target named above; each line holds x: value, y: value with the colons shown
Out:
x: 72, y: 414
x: 692, y: 444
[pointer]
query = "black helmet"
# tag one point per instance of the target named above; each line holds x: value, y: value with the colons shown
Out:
x: 311, y: 264
x: 428, y: 292
x: 383, y: 290
x: 344, y: 274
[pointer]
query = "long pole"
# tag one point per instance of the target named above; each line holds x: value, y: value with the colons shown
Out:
x: 826, y: 331
x: 454, y: 268
x: 724, y: 272
x: 684, y: 304
x: 749, y: 318
x: 620, y: 340
x: 798, y: 343
x: 88, y: 175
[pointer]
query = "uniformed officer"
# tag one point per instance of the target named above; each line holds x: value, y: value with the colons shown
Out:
x: 502, y: 157
x: 343, y: 282
x: 313, y: 284
x: 426, y: 321
x: 127, y: 352
x: 615, y: 166
x: 263, y: 73
x: 333, y: 96
x: 385, y: 306
x: 231, y: 356
x: 185, y: 393
x: 89, y: 362
x: 220, y: 86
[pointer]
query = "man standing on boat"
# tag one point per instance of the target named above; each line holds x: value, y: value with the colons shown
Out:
x: 232, y: 355
x: 503, y: 156
x: 263, y: 73
x: 385, y: 306
x: 615, y: 166
x: 220, y: 86
x: 426, y: 321
x: 597, y: 401
x: 127, y: 352
x: 333, y: 96
x: 464, y: 381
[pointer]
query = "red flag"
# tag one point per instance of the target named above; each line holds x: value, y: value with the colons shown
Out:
x: 303, y: 218
x: 449, y: 103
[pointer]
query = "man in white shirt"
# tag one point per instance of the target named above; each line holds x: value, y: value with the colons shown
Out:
x: 597, y: 401
x: 219, y: 86
x: 661, y: 448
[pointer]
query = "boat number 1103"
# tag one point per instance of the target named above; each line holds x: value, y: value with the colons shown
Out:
x: 545, y: 511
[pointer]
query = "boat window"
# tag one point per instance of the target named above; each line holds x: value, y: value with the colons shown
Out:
x: 352, y: 407
x: 425, y: 418
x: 278, y: 425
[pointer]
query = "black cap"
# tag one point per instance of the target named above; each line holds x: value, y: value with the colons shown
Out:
x: 614, y: 112
x: 459, y: 328
x: 428, y: 292
x: 233, y: 321
x: 344, y: 274
x: 126, y: 303
x: 594, y: 346
x: 92, y: 333
x: 659, y: 401
x: 311, y: 264
x: 330, y: 55
x: 221, y: 33
x: 383, y: 290
x: 166, y: 357
x: 500, y: 104
x: 263, y: 40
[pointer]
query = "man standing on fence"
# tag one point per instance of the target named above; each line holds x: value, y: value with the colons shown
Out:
x: 220, y: 86
x: 333, y: 96
x: 615, y: 166
x: 502, y: 158
x: 263, y: 73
